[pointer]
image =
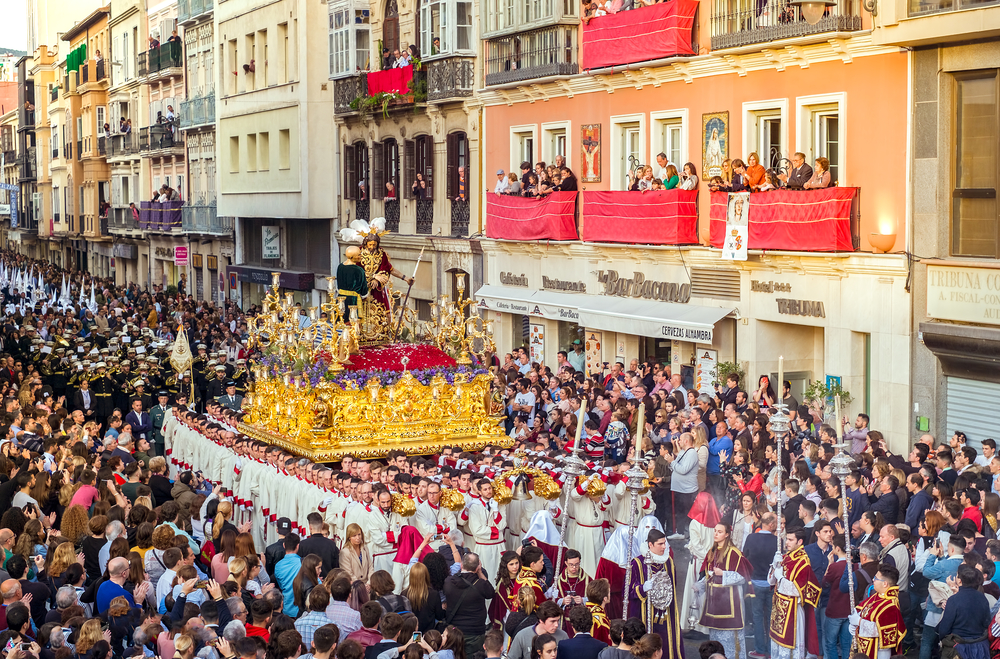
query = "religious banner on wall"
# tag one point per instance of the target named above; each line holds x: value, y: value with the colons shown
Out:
x: 590, y: 144
x: 593, y: 350
x: 714, y: 143
x: 704, y: 373
x: 536, y: 343
x: 737, y: 227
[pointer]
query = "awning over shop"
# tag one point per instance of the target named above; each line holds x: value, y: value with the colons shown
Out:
x: 681, y: 322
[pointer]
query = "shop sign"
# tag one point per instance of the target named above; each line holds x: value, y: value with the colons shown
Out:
x: 4, y: 209
x: 536, y: 343
x: 530, y: 309
x: 510, y: 279
x: 640, y: 287
x: 560, y: 285
x: 126, y: 251
x: 704, y: 377
x: 769, y: 286
x: 181, y: 255
x: 963, y: 294
x: 271, y: 245
x: 164, y: 252
x: 811, y: 308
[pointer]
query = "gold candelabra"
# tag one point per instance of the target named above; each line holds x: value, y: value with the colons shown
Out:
x: 278, y: 327
x: 464, y: 333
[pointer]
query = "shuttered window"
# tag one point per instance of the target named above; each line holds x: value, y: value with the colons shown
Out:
x: 378, y: 171
x: 425, y: 161
x: 458, y: 159
x: 409, y: 167
x: 350, y: 177
x: 971, y: 408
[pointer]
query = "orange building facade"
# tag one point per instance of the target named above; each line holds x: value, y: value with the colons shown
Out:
x: 765, y: 81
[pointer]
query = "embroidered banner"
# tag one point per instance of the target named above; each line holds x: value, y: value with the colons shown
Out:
x: 662, y: 217
x: 527, y: 218
x: 795, y: 220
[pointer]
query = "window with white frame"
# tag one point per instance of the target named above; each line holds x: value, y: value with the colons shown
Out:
x: 669, y: 137
x: 820, y: 131
x: 554, y: 141
x: 350, y: 38
x: 500, y: 15
x: 441, y: 34
x: 628, y: 148
x: 522, y: 146
x: 765, y: 131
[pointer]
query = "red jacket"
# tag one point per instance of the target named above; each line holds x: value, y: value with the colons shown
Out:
x: 259, y: 631
x: 366, y: 637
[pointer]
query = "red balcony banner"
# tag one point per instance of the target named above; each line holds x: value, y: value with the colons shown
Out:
x: 662, y: 217
x: 524, y: 218
x: 796, y: 220
x: 390, y: 80
x: 639, y: 35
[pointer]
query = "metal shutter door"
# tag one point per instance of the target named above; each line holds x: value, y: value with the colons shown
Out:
x: 971, y: 409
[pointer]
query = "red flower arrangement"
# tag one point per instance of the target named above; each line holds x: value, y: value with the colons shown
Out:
x: 390, y: 358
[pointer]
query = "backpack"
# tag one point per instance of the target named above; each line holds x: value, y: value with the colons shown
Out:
x: 207, y: 552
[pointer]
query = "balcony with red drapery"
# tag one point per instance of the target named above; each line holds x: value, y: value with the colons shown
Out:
x: 390, y: 80
x: 552, y: 217
x: 661, y: 217
x: 795, y: 220
x: 639, y: 35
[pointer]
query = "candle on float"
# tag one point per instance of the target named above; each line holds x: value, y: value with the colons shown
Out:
x: 779, y: 392
x: 840, y: 426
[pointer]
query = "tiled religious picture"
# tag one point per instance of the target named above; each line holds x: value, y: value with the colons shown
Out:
x: 590, y: 170
x: 714, y: 143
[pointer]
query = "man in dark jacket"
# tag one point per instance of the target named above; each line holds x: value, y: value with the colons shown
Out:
x: 319, y: 544
x: 760, y: 548
x: 466, y: 594
x: 582, y: 645
x: 276, y: 552
x: 968, y: 612
x: 888, y: 502
x: 920, y: 501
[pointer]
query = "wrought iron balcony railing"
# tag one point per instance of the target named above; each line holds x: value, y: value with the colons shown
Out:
x: 738, y: 23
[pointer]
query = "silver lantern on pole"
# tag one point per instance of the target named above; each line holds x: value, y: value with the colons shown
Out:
x: 840, y: 466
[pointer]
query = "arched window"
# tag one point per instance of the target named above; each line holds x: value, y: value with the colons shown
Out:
x: 390, y: 29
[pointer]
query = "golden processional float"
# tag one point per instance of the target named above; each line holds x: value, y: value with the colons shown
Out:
x: 341, y: 384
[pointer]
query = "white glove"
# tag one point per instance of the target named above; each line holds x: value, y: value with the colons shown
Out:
x: 551, y: 593
x: 649, y: 584
x: 854, y: 619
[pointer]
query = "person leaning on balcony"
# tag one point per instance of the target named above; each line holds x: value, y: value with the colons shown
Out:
x: 756, y: 174
x: 531, y: 189
x: 821, y: 175
x: 502, y: 186
x: 569, y: 182
x: 135, y: 211
x: 513, y: 185
x: 525, y: 173
x: 154, y: 43
x: 690, y: 177
x: 799, y: 174
x: 727, y: 170
x: 419, y: 187
x: 670, y: 179
x: 661, y: 166
x: 173, y: 37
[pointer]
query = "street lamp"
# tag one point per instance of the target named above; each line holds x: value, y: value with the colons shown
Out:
x: 813, y: 10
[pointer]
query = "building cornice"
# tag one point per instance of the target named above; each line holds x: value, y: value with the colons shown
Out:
x: 841, y: 264
x: 777, y: 56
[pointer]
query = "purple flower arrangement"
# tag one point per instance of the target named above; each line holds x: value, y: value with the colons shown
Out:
x: 276, y: 366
